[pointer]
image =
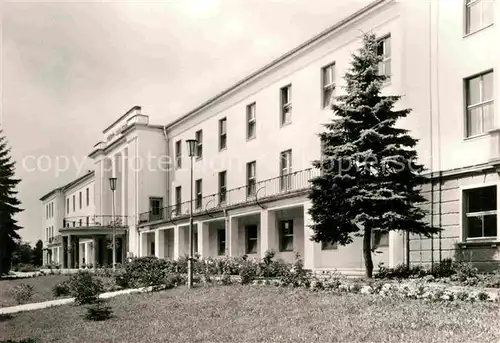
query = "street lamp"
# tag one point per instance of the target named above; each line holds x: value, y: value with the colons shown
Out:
x: 112, y: 185
x: 192, y: 145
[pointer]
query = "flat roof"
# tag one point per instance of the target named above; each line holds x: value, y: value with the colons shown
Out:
x: 280, y: 59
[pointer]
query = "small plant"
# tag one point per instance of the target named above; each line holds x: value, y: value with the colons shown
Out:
x: 23, y: 293
x: 98, y: 311
x: 61, y: 289
x: 462, y: 296
x: 482, y: 296
x: 226, y: 279
x: 85, y: 288
x: 248, y: 272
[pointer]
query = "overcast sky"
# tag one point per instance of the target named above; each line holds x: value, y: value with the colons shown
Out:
x: 70, y: 69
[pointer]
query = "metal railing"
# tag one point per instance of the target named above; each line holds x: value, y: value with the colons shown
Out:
x: 92, y: 221
x: 260, y: 191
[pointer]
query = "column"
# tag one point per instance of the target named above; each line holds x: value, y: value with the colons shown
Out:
x: 160, y: 243
x: 397, y: 248
x: 232, y: 236
x: 70, y: 252
x: 310, y: 247
x: 64, y: 254
x: 179, y: 239
x: 203, y: 239
x: 76, y: 252
x: 87, y: 253
x: 143, y: 238
x: 267, y: 232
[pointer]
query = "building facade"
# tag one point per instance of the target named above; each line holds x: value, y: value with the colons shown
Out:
x: 256, y: 142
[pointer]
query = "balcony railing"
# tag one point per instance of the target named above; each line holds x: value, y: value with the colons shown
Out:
x: 92, y: 221
x: 261, y: 191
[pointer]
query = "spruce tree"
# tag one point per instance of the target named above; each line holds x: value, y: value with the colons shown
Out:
x: 370, y: 177
x: 9, y: 206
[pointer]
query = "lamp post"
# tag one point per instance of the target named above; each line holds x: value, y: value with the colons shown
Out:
x: 192, y: 145
x: 112, y: 185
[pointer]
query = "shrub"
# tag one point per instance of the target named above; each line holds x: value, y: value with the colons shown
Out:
x: 445, y: 268
x: 98, y: 312
x: 61, y: 289
x: 226, y: 279
x: 401, y: 271
x: 248, y: 272
x: 145, y: 271
x: 296, y: 276
x: 23, y: 293
x: 483, y: 296
x: 85, y: 288
x: 25, y: 267
x: 465, y: 271
x: 122, y: 279
x: 462, y: 295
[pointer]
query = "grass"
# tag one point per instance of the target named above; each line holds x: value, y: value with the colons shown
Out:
x: 260, y: 314
x: 42, y: 288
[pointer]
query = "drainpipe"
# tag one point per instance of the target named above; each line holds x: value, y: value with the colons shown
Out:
x: 167, y: 202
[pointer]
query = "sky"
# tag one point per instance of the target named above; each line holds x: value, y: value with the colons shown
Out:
x: 69, y: 69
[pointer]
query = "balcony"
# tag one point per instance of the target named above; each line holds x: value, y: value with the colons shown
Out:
x: 94, y: 221
x: 267, y: 190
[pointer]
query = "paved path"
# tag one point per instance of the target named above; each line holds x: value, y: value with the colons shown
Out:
x: 58, y: 302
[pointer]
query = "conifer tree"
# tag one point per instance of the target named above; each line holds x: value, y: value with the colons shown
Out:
x: 370, y: 176
x: 9, y: 238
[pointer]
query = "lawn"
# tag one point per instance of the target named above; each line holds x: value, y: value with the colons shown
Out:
x: 261, y: 314
x: 42, y: 288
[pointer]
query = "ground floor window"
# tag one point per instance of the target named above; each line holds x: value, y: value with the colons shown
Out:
x: 286, y: 235
x: 221, y: 242
x: 328, y: 246
x: 480, y: 212
x: 152, y: 248
x: 380, y: 239
x: 251, y: 239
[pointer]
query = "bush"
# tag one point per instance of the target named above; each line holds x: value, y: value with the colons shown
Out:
x: 145, y: 271
x: 85, y: 288
x: 122, y: 279
x: 25, y: 267
x: 465, y: 271
x: 248, y: 272
x: 61, y: 289
x: 401, y: 271
x: 98, y: 312
x: 296, y: 276
x: 23, y: 293
x: 445, y: 268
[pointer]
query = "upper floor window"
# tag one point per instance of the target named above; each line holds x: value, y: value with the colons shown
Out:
x: 88, y: 196
x: 286, y: 105
x: 328, y: 83
x: 74, y: 201
x: 384, y: 50
x: 478, y: 14
x: 199, y: 193
x: 479, y: 97
x: 251, y: 121
x: 251, y: 178
x: 199, y: 140
x: 286, y: 170
x: 80, y: 199
x: 481, y: 212
x: 47, y: 211
x: 67, y: 205
x: 178, y: 199
x: 178, y: 154
x: 222, y: 134
x: 155, y: 208
x: 222, y: 186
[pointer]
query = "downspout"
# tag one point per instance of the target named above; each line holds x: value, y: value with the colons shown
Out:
x: 167, y: 202
x: 431, y: 133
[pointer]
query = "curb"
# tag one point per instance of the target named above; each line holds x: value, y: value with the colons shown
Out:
x: 65, y: 301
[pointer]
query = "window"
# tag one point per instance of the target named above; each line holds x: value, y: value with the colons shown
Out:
x: 46, y: 211
x: 251, y: 178
x: 67, y: 205
x: 328, y: 246
x: 88, y: 221
x: 221, y: 242
x: 74, y: 203
x: 178, y: 154
x: 199, y: 193
x: 222, y: 134
x: 251, y: 121
x: 285, y: 170
x: 328, y: 83
x: 152, y: 248
x: 286, y: 235
x: 478, y: 15
x: 88, y: 196
x: 195, y: 239
x: 286, y: 105
x: 479, y: 98
x: 80, y: 199
x: 178, y: 199
x: 251, y: 239
x: 155, y: 208
x: 481, y: 212
x: 80, y: 222
x: 199, y: 139
x: 380, y: 239
x: 222, y: 186
x: 384, y: 50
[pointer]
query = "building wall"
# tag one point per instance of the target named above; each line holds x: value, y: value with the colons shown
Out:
x: 85, y: 210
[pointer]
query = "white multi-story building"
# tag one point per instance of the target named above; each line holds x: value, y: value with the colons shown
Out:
x: 257, y: 139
